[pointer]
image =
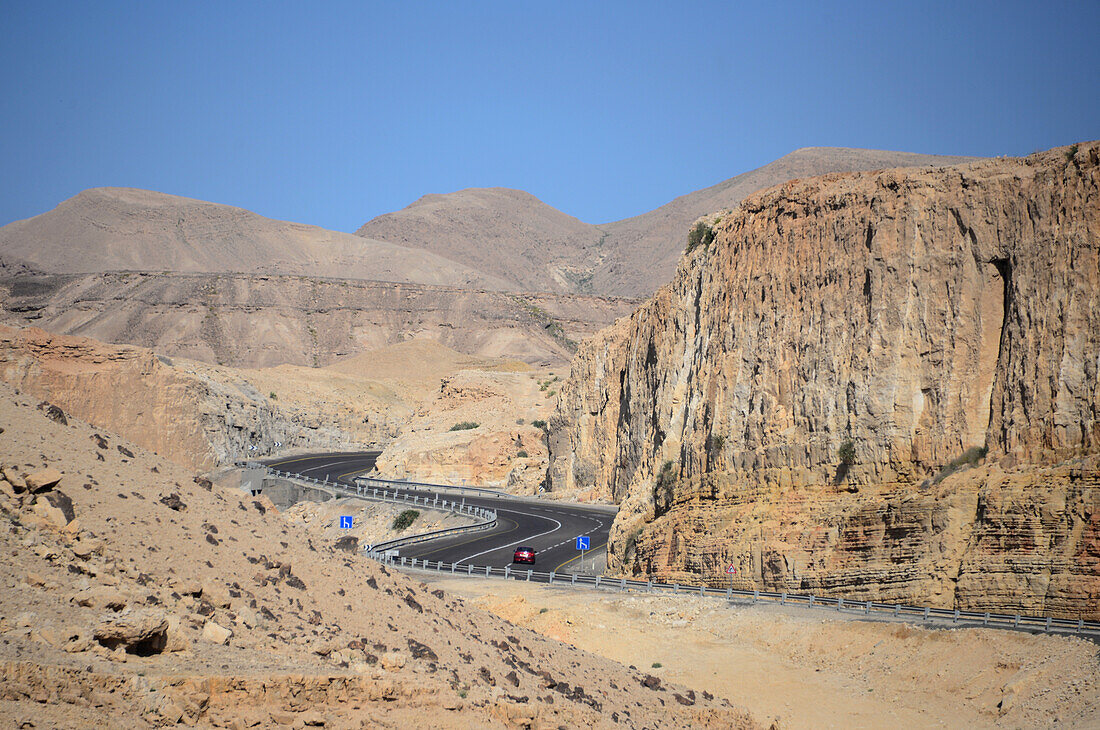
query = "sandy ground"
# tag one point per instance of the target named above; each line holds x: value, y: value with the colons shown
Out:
x: 808, y: 669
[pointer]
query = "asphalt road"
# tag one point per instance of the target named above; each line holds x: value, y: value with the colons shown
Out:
x: 550, y: 527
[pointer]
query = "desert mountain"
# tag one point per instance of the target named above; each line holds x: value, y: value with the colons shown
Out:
x: 506, y: 233
x: 123, y: 229
x: 514, y: 236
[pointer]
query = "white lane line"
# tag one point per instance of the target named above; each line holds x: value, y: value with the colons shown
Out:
x: 512, y: 542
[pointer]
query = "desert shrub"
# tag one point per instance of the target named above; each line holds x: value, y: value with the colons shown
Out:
x: 715, y: 443
x: 847, y: 453
x: 405, y: 519
x: 1071, y: 153
x: 272, y: 395
x: 522, y: 454
x: 700, y: 234
x: 663, y: 488
x: 519, y: 421
x: 465, y: 426
x: 656, y: 665
x: 970, y: 457
x: 539, y: 423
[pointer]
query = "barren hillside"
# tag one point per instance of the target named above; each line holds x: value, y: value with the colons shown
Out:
x: 137, y: 596
x: 123, y: 229
x: 506, y: 233
x: 250, y: 320
x: 875, y: 384
x: 516, y: 237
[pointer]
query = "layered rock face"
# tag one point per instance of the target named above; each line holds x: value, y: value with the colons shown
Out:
x: 920, y: 314
x: 195, y: 418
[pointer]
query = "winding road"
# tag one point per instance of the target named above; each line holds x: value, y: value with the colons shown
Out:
x: 550, y: 527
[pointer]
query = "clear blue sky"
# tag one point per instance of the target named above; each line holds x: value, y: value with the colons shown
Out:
x: 332, y: 113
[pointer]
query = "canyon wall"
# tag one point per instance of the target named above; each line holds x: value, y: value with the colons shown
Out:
x: 196, y: 416
x: 939, y: 320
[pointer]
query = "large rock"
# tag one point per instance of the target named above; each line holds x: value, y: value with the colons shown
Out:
x: 43, y: 480
x: 141, y: 632
x: 923, y: 315
x: 215, y: 633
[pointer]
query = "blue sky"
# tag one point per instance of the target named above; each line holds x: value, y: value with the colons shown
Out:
x: 332, y: 113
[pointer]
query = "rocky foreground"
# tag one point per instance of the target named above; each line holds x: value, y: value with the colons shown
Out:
x: 135, y: 595
x: 878, y: 385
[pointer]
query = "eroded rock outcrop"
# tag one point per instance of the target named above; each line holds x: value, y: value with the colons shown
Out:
x: 922, y: 315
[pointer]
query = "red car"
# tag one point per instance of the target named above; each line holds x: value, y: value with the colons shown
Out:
x: 524, y: 555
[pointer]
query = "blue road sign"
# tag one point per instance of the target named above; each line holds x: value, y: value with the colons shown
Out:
x: 345, y: 521
x: 582, y: 543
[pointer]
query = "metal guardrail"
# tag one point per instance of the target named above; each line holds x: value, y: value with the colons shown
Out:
x: 488, y: 517
x: 924, y: 614
x: 428, y: 486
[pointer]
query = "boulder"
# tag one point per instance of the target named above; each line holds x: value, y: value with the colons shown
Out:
x: 61, y: 501
x: 136, y: 632
x: 12, y: 477
x: 215, y: 633
x: 49, y: 516
x: 43, y: 480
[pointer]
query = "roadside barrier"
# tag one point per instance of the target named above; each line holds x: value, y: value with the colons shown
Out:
x: 485, y: 519
x: 848, y: 607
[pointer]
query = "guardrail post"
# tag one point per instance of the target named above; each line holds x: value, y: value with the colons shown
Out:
x: 597, y: 581
x: 927, y: 612
x: 551, y: 577
x: 1047, y: 629
x: 840, y: 603
x: 897, y: 609
x: 755, y: 596
x: 453, y: 567
x: 470, y: 569
x: 811, y: 600
x: 729, y: 593
x: 783, y: 598
x: 985, y: 621
x: 867, y: 607
x: 574, y: 581
x: 402, y: 560
x: 486, y: 571
x: 955, y: 620
x: 506, y: 570
x: 675, y: 587
x: 1080, y: 625
x: 649, y: 586
x: 528, y: 576
x: 622, y: 585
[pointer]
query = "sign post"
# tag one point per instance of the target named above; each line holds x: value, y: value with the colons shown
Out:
x: 346, y: 522
x: 582, y: 545
x: 731, y: 571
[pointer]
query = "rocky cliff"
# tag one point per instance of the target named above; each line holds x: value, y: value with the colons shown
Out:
x: 195, y: 416
x: 932, y: 320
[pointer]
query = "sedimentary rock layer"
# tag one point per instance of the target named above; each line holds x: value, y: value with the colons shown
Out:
x: 922, y: 315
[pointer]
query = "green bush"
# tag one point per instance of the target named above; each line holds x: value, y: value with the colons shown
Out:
x: 465, y: 426
x: 1071, y: 153
x: 272, y: 395
x: 539, y: 423
x: 847, y: 453
x: 405, y: 519
x: 522, y: 454
x: 656, y: 665
x: 970, y: 457
x: 700, y: 234
x: 663, y: 488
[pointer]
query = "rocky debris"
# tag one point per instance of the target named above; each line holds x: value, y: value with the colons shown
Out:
x: 173, y: 502
x: 904, y: 317
x: 140, y: 632
x: 61, y: 502
x: 348, y: 544
x: 54, y: 413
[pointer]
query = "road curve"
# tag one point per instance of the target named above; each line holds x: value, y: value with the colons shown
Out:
x: 551, y: 527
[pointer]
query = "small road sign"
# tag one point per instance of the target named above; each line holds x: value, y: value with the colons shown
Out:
x: 731, y: 570
x: 346, y: 521
x: 582, y: 543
